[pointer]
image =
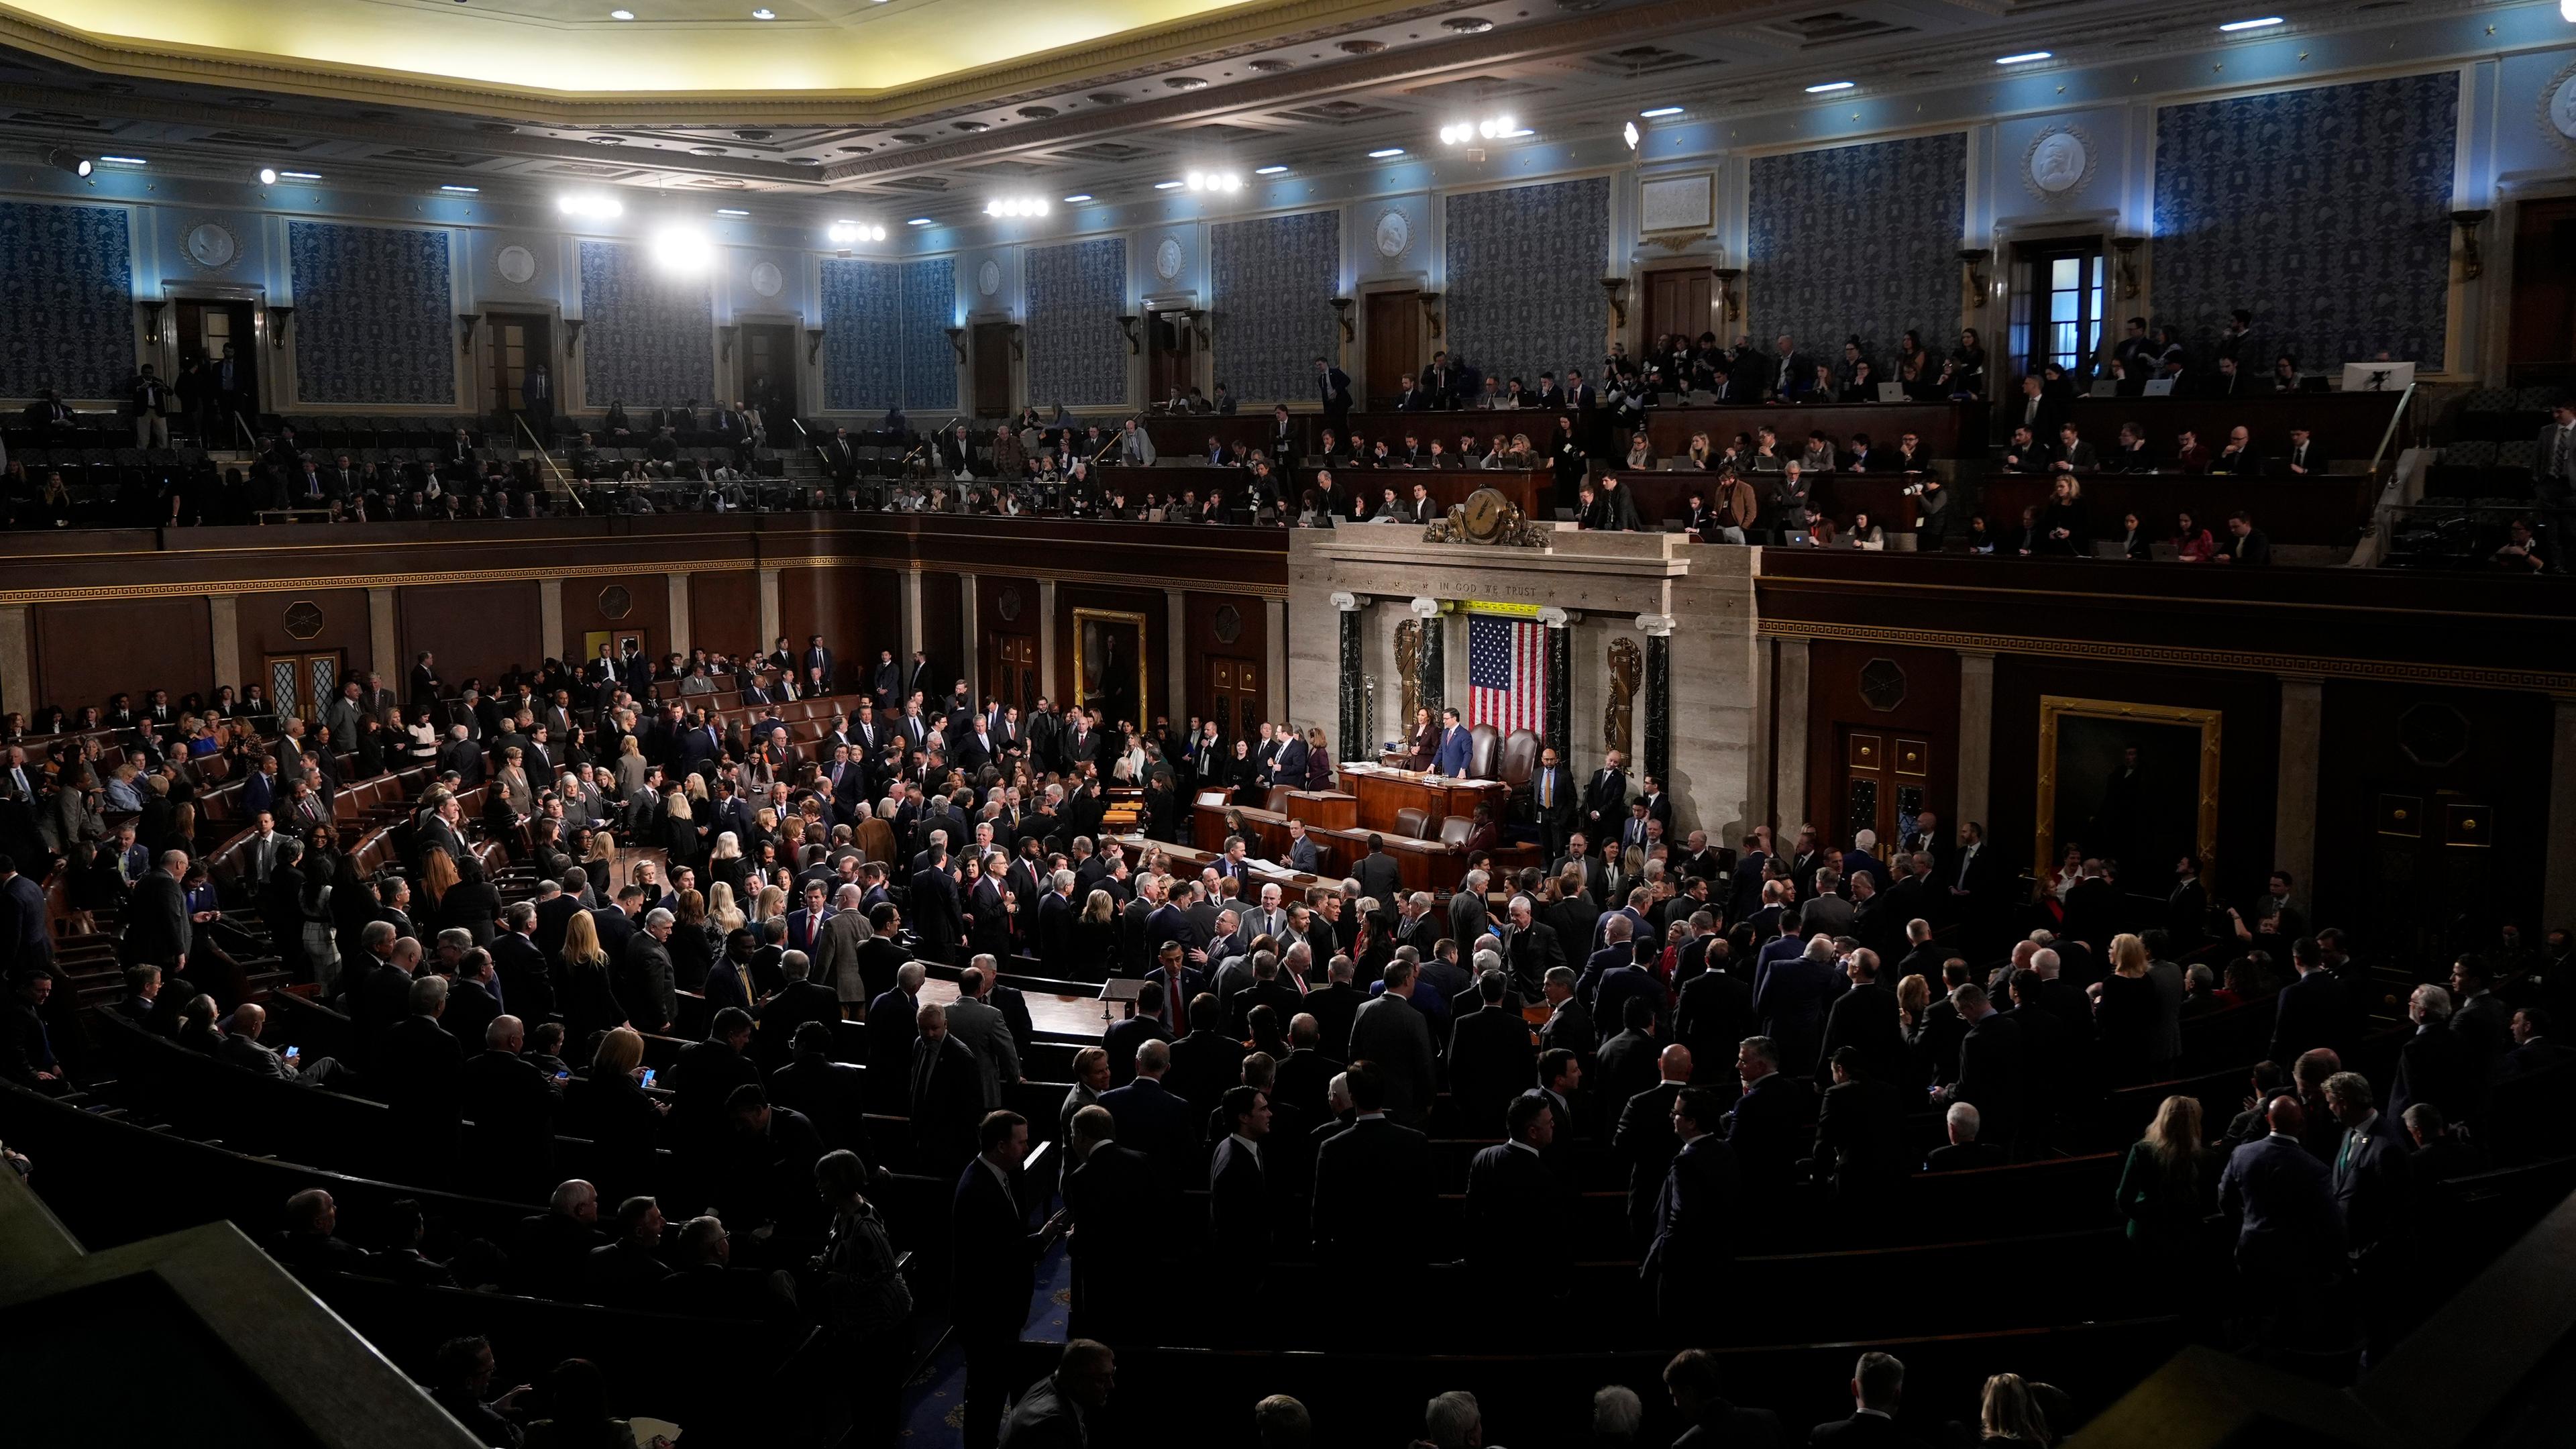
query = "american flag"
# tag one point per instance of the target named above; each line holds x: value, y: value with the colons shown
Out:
x: 1506, y: 673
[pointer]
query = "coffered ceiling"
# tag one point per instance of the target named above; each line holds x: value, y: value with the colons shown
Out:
x: 932, y: 106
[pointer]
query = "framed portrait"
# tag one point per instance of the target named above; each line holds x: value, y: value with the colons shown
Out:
x: 1109, y: 664
x: 2136, y: 783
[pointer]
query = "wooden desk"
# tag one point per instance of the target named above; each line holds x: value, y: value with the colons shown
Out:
x: 1325, y: 809
x: 2329, y: 510
x: 1446, y: 486
x: 1662, y: 496
x: 1426, y: 865
x: 1383, y: 792
x: 2345, y: 426
x: 1295, y: 885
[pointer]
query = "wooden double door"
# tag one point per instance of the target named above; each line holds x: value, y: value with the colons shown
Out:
x: 301, y: 684
x: 1882, y: 780
x: 1230, y: 693
x: 1011, y: 670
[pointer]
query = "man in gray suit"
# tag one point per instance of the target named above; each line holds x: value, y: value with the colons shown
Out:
x: 1468, y: 918
x: 836, y: 955
x: 1390, y: 1032
x: 984, y: 1030
x: 1266, y: 919
x: 1378, y: 874
x: 1828, y: 913
x: 2553, y: 476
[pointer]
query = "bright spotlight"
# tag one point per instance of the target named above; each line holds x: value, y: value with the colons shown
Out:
x: 590, y: 205
x: 268, y: 176
x: 1628, y: 133
x: 1016, y: 206
x: 682, y: 249
x: 62, y: 158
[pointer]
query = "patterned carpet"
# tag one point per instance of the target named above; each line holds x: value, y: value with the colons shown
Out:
x: 934, y: 1403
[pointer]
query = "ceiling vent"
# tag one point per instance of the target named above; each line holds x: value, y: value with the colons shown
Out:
x: 1338, y: 113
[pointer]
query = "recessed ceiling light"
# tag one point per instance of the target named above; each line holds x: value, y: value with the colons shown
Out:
x: 2027, y: 55
x: 731, y: 211
x: 918, y: 221
x: 1385, y: 152
x: 124, y: 161
x: 462, y: 190
x: 1828, y: 87
x: 621, y: 14
x: 2235, y: 25
x: 1079, y: 196
x: 301, y: 175
x: 1468, y: 24
x: 267, y: 176
x: 1169, y: 185
x: 764, y: 15
x: 1659, y: 112
x: 1268, y: 170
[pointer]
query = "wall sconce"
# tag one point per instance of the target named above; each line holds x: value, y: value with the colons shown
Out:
x: 1974, y: 259
x: 152, y: 323
x: 813, y: 344
x: 1135, y: 343
x: 2126, y: 267
x: 2472, y: 265
x: 572, y: 336
x: 279, y: 319
x: 1617, y: 288
x: 1342, y: 313
x: 724, y: 341
x: 957, y: 341
x: 1019, y: 343
x: 1431, y: 311
x: 1726, y: 299
x: 464, y: 329
x: 1198, y: 326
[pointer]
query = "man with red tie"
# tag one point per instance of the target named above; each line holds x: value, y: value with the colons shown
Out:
x: 1456, y: 747
x: 805, y: 924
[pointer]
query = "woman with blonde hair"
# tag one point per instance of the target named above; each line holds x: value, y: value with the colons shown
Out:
x: 614, y: 1112
x: 601, y: 864
x: 1095, y: 933
x: 772, y: 904
x: 437, y: 874
x: 726, y: 864
x: 722, y: 912
x: 2160, y: 1197
x: 631, y: 765
x: 682, y: 836
x: 2125, y: 1008
x: 694, y: 945
x: 589, y: 1002
x: 2010, y: 1414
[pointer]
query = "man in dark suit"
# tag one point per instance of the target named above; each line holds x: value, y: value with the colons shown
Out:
x: 1627, y: 1060
x: 415, y: 1073
x: 156, y: 918
x: 1239, y: 1189
x: 2246, y: 546
x: 1513, y: 1198
x: 1109, y: 1191
x: 1866, y: 1018
x: 2289, y: 1238
x: 1993, y: 1066
x: 1552, y: 806
x: 1333, y: 390
x: 1860, y: 1150
x: 946, y: 1096
x: 938, y: 919
x: 991, y: 1266
x: 893, y: 1024
x: 1372, y: 1181
x: 472, y: 1004
x: 1391, y: 1031
x: 1156, y: 1121
x: 1123, y: 1038
x: 1769, y: 1127
x: 1696, y: 1217
x: 2374, y: 1192
x: 2436, y: 1064
x: 1490, y: 1057
x: 2313, y: 1011
x: 1644, y: 1139
x: 1380, y: 877
x: 1878, y: 1391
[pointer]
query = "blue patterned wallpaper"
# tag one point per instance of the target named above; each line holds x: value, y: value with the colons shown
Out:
x: 67, y: 315
x: 373, y: 322
x: 929, y: 310
x: 1272, y: 281
x: 1857, y: 239
x: 648, y: 338
x: 1525, y: 269
x: 862, y: 316
x: 2325, y: 211
x: 1076, y: 293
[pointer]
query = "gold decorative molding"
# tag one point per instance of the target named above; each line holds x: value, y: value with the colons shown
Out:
x: 2178, y: 656
x: 2054, y: 708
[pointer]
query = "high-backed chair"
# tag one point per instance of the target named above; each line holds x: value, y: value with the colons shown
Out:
x: 1520, y: 758
x: 1454, y: 829
x: 1277, y: 804
x: 1482, y: 742
x: 1411, y: 821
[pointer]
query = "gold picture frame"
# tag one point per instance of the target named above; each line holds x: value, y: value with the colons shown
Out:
x: 1144, y: 672
x: 2054, y: 708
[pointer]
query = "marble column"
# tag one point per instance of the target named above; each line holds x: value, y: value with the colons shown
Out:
x: 550, y: 625
x: 1046, y: 641
x: 1658, y: 629
x: 908, y: 604
x: 678, y: 584
x: 1176, y: 657
x: 1349, y: 729
x: 970, y: 637
x: 1789, y: 765
x: 1559, y: 734
x: 223, y: 620
x: 1274, y: 694
x: 18, y: 673
x: 771, y: 624
x: 2294, y: 800
x: 387, y: 654
x: 2558, y: 879
x: 1435, y: 656
x: 1976, y: 736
